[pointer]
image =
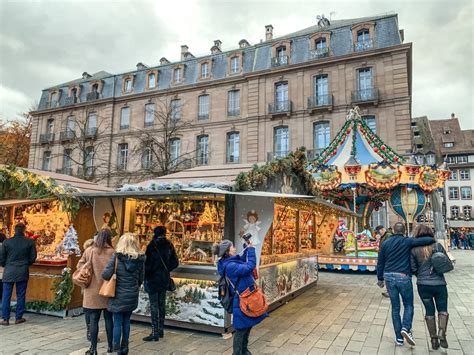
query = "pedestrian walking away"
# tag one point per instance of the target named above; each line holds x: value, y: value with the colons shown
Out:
x: 128, y: 266
x: 393, y: 270
x: 383, y: 236
x: 3, y: 237
x: 98, y: 254
x: 16, y: 256
x: 431, y: 287
x: 161, y: 259
x: 239, y: 269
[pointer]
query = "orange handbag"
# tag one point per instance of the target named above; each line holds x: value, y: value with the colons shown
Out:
x: 252, y: 301
x: 108, y: 286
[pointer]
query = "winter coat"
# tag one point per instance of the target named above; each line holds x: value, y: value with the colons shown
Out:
x: 425, y: 275
x: 130, y: 273
x: 385, y: 236
x: 91, y: 298
x: 240, y: 267
x: 16, y: 255
x: 157, y: 278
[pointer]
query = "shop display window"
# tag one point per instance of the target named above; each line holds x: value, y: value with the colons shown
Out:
x: 193, y: 224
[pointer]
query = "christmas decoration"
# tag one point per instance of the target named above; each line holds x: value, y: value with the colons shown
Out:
x: 70, y: 243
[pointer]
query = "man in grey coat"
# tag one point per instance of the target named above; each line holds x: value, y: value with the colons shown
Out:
x: 16, y: 256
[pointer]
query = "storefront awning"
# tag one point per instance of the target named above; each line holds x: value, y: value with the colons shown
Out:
x: 15, y: 202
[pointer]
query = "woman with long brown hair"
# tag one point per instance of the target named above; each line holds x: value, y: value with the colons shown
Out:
x: 99, y: 254
x: 431, y: 287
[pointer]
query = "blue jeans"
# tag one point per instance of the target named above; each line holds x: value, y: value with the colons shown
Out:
x: 121, y: 329
x: 20, y: 299
x: 400, y: 285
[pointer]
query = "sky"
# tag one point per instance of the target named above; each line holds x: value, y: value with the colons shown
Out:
x: 45, y: 43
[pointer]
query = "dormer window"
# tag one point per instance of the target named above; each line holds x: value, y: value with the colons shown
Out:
x: 205, y: 70
x: 234, y: 65
x: 74, y: 94
x: 321, y: 43
x: 151, y: 80
x: 448, y: 144
x: 95, y: 88
x: 281, y: 56
x: 128, y: 85
x: 281, y: 53
x: 363, y: 35
x: 178, y: 75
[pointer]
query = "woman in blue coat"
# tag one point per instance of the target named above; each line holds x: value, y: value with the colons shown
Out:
x: 239, y: 269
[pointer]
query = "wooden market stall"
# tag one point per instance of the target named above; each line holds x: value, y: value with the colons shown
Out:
x: 43, y: 201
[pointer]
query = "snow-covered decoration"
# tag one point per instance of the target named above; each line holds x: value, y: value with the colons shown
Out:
x: 70, y: 242
x: 175, y: 185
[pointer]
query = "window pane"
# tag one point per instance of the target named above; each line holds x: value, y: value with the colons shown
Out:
x: 177, y: 75
x: 128, y: 85
x: 122, y: 156
x: 125, y: 118
x: 70, y: 124
x: 233, y: 147
x: 281, y: 96
x: 364, y: 78
x: 203, y: 107
x: 149, y: 114
x: 175, y: 109
x: 234, y: 64
x: 151, y: 81
x: 453, y: 193
x: 281, y: 142
x: 466, y: 193
x: 371, y: 122
x: 47, y: 161
x: 175, y: 150
x: 363, y: 35
x: 321, y: 43
x: 146, y: 158
x: 234, y: 103
x: 92, y: 121
x: 322, y: 136
x: 204, y: 70
x: 203, y: 150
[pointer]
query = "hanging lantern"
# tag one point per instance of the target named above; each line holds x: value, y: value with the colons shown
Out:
x: 412, y: 168
x: 352, y: 167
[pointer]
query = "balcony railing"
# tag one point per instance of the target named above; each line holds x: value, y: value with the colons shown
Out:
x: 66, y: 135
x: 280, y: 107
x: 319, y: 101
x: 277, y: 154
x: 46, y: 138
x: 280, y: 60
x: 70, y: 100
x: 361, y: 46
x: 203, y: 116
x: 233, y: 112
x: 365, y: 95
x: 312, y: 154
x: 92, y: 96
x: 89, y: 172
x: 91, y: 132
x: 148, y: 123
x: 319, y: 53
x: 66, y: 171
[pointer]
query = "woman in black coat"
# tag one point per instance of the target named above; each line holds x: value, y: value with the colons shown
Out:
x: 431, y: 287
x: 161, y: 259
x: 128, y: 265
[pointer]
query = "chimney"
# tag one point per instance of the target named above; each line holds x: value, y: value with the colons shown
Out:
x: 268, y: 32
x: 218, y: 43
x: 453, y: 115
x: 184, y: 50
x: 86, y: 75
x: 216, y: 48
x: 141, y: 66
x: 164, y: 61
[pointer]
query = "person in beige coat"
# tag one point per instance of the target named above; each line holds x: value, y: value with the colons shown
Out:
x: 99, y: 254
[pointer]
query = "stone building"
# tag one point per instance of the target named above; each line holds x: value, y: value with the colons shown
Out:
x: 436, y: 141
x: 242, y: 105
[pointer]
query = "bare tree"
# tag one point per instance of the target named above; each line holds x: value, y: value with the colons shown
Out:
x: 159, y: 146
x: 15, y: 140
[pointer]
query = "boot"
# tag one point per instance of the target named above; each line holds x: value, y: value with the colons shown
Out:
x: 431, y: 324
x: 443, y: 325
x: 91, y: 351
x: 124, y: 348
x: 154, y: 334
x: 161, y: 325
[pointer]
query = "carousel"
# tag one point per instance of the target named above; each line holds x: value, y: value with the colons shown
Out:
x: 360, y: 172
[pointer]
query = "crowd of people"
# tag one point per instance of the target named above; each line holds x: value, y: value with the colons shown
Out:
x: 460, y: 239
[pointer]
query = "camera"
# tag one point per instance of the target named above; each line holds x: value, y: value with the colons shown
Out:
x: 247, y: 236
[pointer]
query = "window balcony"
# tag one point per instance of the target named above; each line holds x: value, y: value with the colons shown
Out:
x: 319, y: 53
x: 94, y: 95
x: 280, y: 60
x: 370, y: 95
x: 366, y: 45
x: 280, y: 107
x: 70, y: 100
x: 320, y: 102
x: 233, y: 112
x: 148, y: 124
x: 66, y: 171
x: 66, y: 136
x: 203, y: 116
x: 277, y: 154
x: 90, y: 133
x: 46, y: 138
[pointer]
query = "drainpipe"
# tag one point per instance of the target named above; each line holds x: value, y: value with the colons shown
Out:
x: 111, y: 134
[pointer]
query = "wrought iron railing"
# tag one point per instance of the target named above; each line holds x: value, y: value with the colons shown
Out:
x: 319, y: 53
x: 365, y: 45
x: 280, y: 60
x: 319, y: 101
x: 91, y: 132
x: 66, y: 135
x: 280, y: 106
x: 71, y: 100
x: 46, y: 138
x: 203, y: 116
x: 94, y: 95
x: 370, y: 94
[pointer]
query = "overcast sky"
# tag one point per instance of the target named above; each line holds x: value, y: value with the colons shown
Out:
x: 44, y: 43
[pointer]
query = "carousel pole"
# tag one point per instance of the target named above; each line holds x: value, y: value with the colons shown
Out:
x: 354, y: 194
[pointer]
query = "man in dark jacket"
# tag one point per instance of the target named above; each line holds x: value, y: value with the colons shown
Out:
x: 383, y: 236
x: 16, y: 255
x: 393, y: 268
x: 161, y: 259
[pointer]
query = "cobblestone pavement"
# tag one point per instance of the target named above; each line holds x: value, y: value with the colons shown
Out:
x: 344, y: 314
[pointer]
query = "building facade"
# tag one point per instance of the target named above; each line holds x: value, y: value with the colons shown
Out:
x: 245, y: 105
x: 444, y: 140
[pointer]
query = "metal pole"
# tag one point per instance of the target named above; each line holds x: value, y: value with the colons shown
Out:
x: 354, y: 193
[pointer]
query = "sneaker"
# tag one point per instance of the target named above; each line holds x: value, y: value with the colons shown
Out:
x: 399, y: 342
x: 408, y: 336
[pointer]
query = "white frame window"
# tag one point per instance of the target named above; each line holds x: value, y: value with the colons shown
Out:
x: 151, y: 80
x: 149, y: 114
x: 430, y: 159
x: 462, y: 159
x: 321, y: 43
x: 467, y: 211
x: 203, y: 107
x: 321, y: 89
x: 175, y: 150
x: 363, y: 35
x: 176, y: 109
x: 122, y: 156
x: 465, y: 174
x: 234, y: 64
x: 321, y: 136
x: 177, y: 75
x: 453, y: 193
x: 454, y: 175
x: 203, y: 150
x: 46, y: 164
x: 233, y: 103
x: 125, y: 117
x: 233, y: 147
x: 205, y: 70
x: 281, y: 141
x: 128, y: 85
x: 146, y: 158
x: 454, y: 210
x: 466, y: 193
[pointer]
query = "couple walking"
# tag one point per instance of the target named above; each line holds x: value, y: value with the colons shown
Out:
x: 131, y: 268
x: 399, y: 258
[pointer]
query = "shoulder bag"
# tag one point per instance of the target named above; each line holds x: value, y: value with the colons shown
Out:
x: 440, y: 261
x: 108, y: 286
x: 171, y: 284
x: 82, y: 277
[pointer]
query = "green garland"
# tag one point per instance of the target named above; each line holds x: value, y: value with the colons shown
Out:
x: 34, y: 186
x: 62, y: 289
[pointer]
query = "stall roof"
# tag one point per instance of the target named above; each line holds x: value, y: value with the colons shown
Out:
x: 8, y: 203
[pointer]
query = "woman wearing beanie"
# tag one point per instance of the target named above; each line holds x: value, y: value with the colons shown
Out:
x: 239, y: 269
x: 161, y: 259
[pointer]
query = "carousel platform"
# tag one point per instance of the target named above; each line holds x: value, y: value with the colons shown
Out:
x: 342, y: 262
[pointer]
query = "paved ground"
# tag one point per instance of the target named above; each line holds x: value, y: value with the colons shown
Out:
x: 343, y: 314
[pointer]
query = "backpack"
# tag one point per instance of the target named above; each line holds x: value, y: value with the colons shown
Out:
x: 440, y: 261
x: 225, y: 295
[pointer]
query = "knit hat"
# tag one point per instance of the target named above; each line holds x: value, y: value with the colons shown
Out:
x: 221, y: 248
x: 159, y: 231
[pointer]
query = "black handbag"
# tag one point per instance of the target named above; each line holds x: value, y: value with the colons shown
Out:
x: 171, y: 284
x: 440, y: 261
